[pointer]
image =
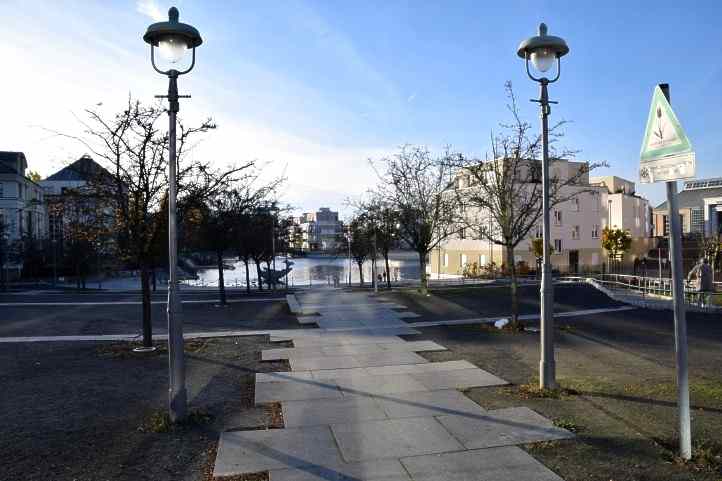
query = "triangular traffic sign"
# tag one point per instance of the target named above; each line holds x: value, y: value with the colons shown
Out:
x: 664, y: 135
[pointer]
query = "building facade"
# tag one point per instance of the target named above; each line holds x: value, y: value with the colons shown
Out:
x: 318, y: 231
x: 576, y: 228
x: 700, y: 209
x: 22, y: 208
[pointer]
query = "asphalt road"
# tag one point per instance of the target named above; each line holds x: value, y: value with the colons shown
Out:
x: 68, y: 313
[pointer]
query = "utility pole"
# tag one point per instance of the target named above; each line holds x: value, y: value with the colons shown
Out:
x: 373, y: 266
x: 680, y: 321
x: 272, y: 275
x: 349, y: 255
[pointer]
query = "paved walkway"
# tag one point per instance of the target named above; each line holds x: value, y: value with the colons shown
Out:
x: 360, y: 404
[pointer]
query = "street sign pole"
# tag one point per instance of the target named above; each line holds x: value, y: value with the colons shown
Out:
x: 680, y: 321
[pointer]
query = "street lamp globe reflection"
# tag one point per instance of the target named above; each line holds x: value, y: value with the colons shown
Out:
x: 543, y: 59
x: 172, y: 48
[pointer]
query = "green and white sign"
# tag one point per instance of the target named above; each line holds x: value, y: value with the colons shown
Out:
x: 666, y: 151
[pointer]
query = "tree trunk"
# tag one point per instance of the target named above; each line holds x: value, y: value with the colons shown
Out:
x: 424, y: 285
x: 514, y: 295
x: 147, y: 325
x: 388, y: 270
x: 155, y: 284
x: 258, y: 273
x: 221, y: 281
x: 271, y: 283
x: 248, y: 277
x: 361, y: 272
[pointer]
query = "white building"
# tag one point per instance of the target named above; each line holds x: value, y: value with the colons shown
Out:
x: 22, y: 210
x: 576, y: 227
x: 320, y: 230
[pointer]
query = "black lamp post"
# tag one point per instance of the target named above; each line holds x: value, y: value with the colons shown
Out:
x: 543, y: 50
x: 173, y: 39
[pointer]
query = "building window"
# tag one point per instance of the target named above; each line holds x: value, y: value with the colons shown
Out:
x: 595, y: 231
x: 463, y: 260
x: 575, y: 232
x: 698, y: 221
x: 575, y: 204
x: 538, y: 232
x: 557, y: 217
x: 482, y: 260
x: 557, y: 246
x: 446, y: 260
x: 596, y: 200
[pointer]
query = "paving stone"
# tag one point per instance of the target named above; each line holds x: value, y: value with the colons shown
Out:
x: 393, y: 438
x: 461, y: 379
x: 373, y: 385
x: 378, y: 470
x: 308, y: 319
x: 503, y: 427
x: 287, y: 352
x: 296, y: 391
x: 389, y: 359
x: 242, y: 452
x: 495, y: 464
x: 351, y: 349
x: 429, y: 403
x: 315, y: 363
x: 282, y: 376
x: 330, y: 411
x: 413, y: 346
x: 339, y: 373
x: 419, y: 368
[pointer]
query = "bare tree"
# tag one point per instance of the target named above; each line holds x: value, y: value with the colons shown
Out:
x: 133, y: 146
x: 501, y: 195
x: 383, y: 220
x: 361, y: 243
x: 224, y: 215
x: 415, y: 184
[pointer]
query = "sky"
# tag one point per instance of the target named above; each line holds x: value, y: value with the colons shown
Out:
x: 315, y: 89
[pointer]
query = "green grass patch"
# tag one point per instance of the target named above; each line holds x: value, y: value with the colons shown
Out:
x: 569, y: 424
x: 533, y: 391
x: 160, y: 422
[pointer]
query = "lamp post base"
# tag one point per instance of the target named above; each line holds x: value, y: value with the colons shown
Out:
x: 144, y: 349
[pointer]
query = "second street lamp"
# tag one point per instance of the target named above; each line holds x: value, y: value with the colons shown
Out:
x: 543, y: 50
x: 173, y: 39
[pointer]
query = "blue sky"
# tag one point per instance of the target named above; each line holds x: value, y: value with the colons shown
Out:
x: 317, y: 88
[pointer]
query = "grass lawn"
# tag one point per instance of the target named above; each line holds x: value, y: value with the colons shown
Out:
x: 617, y: 388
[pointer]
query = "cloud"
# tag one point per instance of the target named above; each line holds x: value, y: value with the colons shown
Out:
x: 150, y: 9
x: 411, y: 98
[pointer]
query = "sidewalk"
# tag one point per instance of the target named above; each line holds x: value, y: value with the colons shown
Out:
x: 360, y: 404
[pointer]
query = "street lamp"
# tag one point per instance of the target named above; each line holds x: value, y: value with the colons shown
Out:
x: 173, y: 39
x: 542, y: 50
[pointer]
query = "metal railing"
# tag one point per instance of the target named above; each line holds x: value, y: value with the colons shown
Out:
x: 659, y: 287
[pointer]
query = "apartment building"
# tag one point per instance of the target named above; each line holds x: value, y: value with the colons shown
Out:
x: 700, y: 209
x: 576, y: 227
x: 318, y: 231
x: 82, y: 176
x: 22, y: 211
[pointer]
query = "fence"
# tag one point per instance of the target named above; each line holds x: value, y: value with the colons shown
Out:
x: 660, y: 287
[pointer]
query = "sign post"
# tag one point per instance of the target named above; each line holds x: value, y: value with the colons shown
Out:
x: 667, y: 155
